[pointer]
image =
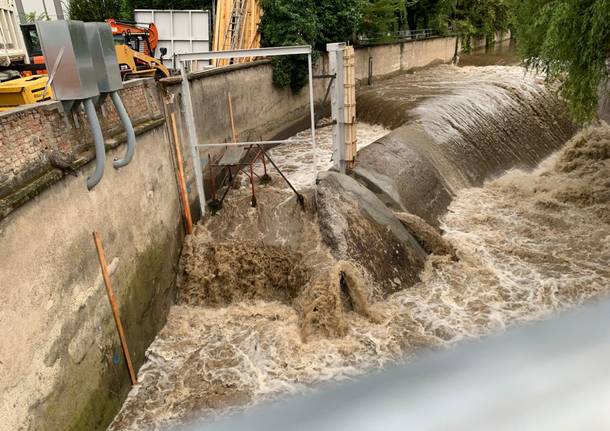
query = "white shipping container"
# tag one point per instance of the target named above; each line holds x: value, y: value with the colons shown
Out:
x: 180, y: 31
x: 12, y: 47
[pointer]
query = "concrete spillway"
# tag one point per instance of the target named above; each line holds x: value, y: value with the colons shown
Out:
x: 458, y: 128
x: 275, y: 301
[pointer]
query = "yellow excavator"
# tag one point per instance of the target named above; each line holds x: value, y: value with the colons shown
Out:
x: 26, y: 82
x: 135, y: 49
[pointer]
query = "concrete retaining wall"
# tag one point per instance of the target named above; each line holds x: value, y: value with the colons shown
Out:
x: 62, y: 366
x: 392, y: 58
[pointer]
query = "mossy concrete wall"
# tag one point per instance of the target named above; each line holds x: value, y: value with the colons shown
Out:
x: 61, y: 366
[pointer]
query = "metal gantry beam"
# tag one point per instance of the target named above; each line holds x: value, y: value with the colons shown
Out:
x: 253, y: 143
x: 243, y: 53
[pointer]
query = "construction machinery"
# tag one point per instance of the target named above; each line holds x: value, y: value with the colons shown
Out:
x: 23, y: 91
x: 23, y: 74
x: 236, y: 27
x: 136, y: 44
x: 18, y: 85
x: 13, y: 52
x: 134, y: 64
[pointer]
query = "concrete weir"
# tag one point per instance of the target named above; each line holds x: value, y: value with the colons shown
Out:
x: 61, y: 366
x: 457, y: 129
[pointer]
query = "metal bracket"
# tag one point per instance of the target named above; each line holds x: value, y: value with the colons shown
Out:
x: 327, y: 76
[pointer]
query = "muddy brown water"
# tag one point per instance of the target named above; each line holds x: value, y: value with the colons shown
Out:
x: 265, y: 311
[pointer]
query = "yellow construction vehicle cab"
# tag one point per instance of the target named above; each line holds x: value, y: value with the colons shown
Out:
x: 23, y: 91
x: 135, y: 64
x: 136, y: 44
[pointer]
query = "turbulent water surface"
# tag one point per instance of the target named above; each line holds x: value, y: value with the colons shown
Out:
x: 262, y: 312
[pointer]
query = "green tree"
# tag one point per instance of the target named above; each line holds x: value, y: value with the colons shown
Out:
x: 95, y: 10
x: 485, y: 17
x: 99, y: 10
x: 435, y: 14
x: 305, y: 22
x: 570, y: 40
x: 32, y: 17
x: 172, y: 4
x: 382, y: 18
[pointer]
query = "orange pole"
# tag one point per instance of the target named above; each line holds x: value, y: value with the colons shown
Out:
x: 181, y: 181
x: 233, y: 133
x: 115, y: 308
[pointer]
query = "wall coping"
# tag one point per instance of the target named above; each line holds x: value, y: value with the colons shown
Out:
x: 175, y: 80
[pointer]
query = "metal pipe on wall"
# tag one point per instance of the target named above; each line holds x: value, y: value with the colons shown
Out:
x: 131, y: 134
x: 98, y: 140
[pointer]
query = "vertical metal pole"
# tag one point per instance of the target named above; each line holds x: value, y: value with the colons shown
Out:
x: 59, y: 11
x: 191, y: 132
x: 335, y: 55
x: 114, y: 306
x: 313, y: 119
x: 20, y: 12
x: 340, y: 88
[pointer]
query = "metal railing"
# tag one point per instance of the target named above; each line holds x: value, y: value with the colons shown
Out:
x: 403, y: 36
x: 397, y: 36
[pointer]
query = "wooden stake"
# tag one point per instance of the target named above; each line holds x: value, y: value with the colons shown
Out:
x: 115, y: 308
x: 181, y: 181
x: 233, y: 133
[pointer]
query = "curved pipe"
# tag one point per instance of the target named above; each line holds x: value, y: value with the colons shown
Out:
x: 98, y: 139
x: 131, y: 135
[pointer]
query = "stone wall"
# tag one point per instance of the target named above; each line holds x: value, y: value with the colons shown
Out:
x: 30, y: 137
x: 481, y: 43
x: 389, y: 59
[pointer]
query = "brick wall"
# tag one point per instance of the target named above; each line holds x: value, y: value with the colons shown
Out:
x: 31, y: 136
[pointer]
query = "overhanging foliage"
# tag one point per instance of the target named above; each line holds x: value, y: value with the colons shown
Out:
x: 570, y: 40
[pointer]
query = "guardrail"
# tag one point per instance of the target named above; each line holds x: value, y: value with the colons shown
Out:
x: 399, y: 36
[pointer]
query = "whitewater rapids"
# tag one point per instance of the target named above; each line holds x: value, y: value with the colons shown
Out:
x: 528, y: 244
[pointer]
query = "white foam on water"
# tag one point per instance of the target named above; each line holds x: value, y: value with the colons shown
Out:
x: 297, y: 162
x: 529, y: 244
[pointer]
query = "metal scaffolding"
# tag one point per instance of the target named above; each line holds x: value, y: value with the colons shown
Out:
x: 194, y: 145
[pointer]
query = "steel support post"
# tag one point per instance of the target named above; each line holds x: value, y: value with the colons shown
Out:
x: 192, y: 136
x: 313, y: 118
x: 335, y: 57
